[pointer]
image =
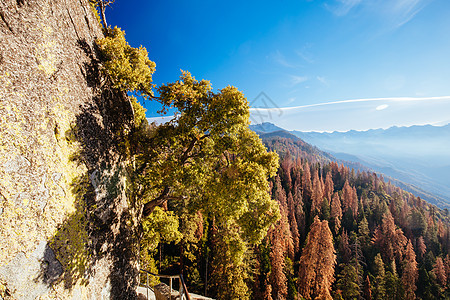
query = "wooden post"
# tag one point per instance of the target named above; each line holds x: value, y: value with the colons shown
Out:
x: 147, y: 285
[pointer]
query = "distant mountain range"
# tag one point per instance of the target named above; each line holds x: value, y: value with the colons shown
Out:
x: 416, y: 158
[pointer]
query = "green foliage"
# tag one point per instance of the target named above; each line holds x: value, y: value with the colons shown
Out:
x: 347, y: 282
x: 230, y: 267
x: 139, y: 112
x: 209, y: 159
x: 129, y: 68
x: 393, y: 285
x: 160, y: 226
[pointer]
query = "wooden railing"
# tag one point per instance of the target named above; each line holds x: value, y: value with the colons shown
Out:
x: 183, y: 292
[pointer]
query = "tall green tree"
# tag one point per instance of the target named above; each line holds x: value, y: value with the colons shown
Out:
x: 347, y: 281
x: 208, y: 158
x: 379, y: 289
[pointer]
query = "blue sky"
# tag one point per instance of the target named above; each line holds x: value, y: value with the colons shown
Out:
x: 305, y: 52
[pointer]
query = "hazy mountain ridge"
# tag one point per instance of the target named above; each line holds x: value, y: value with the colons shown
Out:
x: 415, y: 158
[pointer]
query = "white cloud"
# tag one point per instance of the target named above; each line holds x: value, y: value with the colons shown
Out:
x: 297, y: 79
x: 305, y: 55
x: 403, y: 11
x: 322, y: 80
x: 160, y: 120
x: 279, y: 58
x: 393, y: 13
x: 341, y: 8
x: 382, y: 106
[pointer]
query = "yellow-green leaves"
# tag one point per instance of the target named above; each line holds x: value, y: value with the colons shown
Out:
x: 208, y: 156
x: 129, y: 68
x: 139, y: 112
x: 160, y: 226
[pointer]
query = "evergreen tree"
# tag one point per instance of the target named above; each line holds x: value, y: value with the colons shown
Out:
x: 393, y: 285
x: 344, y: 248
x: 336, y: 212
x: 439, y: 272
x: 364, y: 233
x: 230, y: 263
x: 328, y: 187
x: 293, y: 223
x: 317, y: 262
x: 379, y: 289
x: 410, y: 272
x: 317, y: 194
x: 421, y: 247
x: 390, y: 239
x: 347, y: 282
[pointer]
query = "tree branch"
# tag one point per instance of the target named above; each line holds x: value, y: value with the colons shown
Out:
x: 160, y: 200
x: 103, y: 4
x: 186, y: 153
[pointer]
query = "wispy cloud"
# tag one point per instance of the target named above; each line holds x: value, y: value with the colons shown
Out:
x: 323, y: 80
x: 403, y: 11
x: 295, y: 80
x: 394, y: 13
x: 280, y: 59
x: 290, y: 100
x: 342, y: 7
x: 305, y: 53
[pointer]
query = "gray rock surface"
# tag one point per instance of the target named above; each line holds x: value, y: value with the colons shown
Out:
x: 30, y: 276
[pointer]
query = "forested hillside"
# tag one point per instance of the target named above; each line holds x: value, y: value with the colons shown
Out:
x: 342, y: 234
x: 349, y: 235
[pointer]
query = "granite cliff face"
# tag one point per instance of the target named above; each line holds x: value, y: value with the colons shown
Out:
x: 67, y: 230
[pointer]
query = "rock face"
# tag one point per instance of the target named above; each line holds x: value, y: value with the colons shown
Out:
x: 67, y: 230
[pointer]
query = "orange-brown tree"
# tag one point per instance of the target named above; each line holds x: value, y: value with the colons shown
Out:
x: 336, y: 212
x: 410, y: 272
x: 439, y: 271
x: 316, y: 274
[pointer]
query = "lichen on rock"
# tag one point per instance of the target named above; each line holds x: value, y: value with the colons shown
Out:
x: 68, y: 232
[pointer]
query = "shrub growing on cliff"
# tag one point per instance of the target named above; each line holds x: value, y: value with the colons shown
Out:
x: 128, y: 68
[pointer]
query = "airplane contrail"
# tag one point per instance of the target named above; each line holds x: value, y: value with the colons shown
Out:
x: 394, y: 99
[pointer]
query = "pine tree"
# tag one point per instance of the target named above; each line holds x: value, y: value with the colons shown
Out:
x: 347, y: 282
x: 278, y: 279
x: 390, y: 239
x: 300, y: 214
x: 317, y: 194
x: 410, y: 272
x: 439, y: 272
x: 344, y: 248
x: 421, y: 247
x: 306, y: 181
x: 328, y: 187
x: 393, y: 285
x: 364, y: 232
x: 230, y: 263
x: 317, y: 262
x: 347, y: 196
x: 379, y: 290
x: 336, y: 212
x: 293, y: 223
x: 447, y: 266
